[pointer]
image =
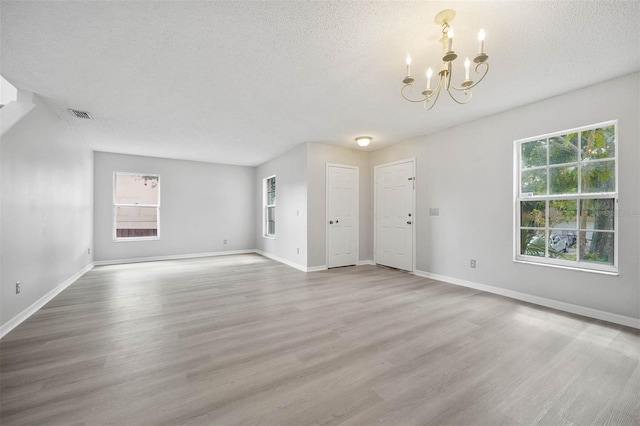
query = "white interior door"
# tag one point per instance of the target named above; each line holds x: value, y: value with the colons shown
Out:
x: 395, y: 185
x: 342, y: 215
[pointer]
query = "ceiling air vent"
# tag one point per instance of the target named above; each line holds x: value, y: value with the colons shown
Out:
x: 81, y: 114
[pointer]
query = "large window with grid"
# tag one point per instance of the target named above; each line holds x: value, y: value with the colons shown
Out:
x: 136, y: 206
x: 270, y: 207
x: 566, y: 194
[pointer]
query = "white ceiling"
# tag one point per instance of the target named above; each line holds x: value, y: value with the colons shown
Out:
x: 242, y: 82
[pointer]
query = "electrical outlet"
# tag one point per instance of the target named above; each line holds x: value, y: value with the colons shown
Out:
x: 18, y: 287
x: 297, y: 251
x: 473, y: 263
x: 297, y: 212
x: 89, y: 250
x: 224, y: 241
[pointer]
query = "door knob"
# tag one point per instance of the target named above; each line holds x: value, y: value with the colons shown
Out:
x: 330, y: 222
x: 408, y: 222
x: 337, y: 221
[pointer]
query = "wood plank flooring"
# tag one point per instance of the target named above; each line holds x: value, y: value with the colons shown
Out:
x: 245, y: 340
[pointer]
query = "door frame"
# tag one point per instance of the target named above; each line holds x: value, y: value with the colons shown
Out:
x: 411, y: 160
x: 326, y: 209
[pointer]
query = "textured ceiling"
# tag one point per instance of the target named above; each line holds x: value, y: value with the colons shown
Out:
x: 242, y: 82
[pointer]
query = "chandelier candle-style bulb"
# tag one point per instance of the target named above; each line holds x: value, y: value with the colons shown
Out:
x: 450, y: 35
x: 429, y: 74
x: 408, y: 79
x: 481, y: 39
x: 466, y: 68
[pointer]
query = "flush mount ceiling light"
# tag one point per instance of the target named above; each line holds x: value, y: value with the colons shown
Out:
x: 364, y: 140
x: 448, y: 56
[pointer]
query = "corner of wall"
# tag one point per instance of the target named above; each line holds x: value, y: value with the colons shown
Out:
x: 14, y: 111
x: 46, y: 205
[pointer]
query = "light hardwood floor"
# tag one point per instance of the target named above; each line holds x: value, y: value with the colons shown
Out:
x: 246, y: 340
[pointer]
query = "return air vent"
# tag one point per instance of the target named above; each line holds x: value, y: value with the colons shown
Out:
x: 81, y: 114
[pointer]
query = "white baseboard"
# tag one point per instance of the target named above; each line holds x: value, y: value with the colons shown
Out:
x: 170, y: 257
x: 537, y: 300
x: 317, y: 268
x: 34, y: 307
x: 324, y: 267
x: 297, y: 266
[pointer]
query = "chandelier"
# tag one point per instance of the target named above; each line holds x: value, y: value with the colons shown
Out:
x: 462, y: 94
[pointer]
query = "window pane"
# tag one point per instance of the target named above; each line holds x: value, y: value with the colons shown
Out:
x: 598, y: 177
x: 532, y: 242
x: 559, y: 247
x: 598, y: 143
x: 534, y: 182
x: 596, y: 247
x: 597, y: 214
x: 563, y: 180
x: 533, y: 154
x: 136, y: 189
x: 271, y: 220
x: 568, y: 244
x: 532, y: 214
x: 563, y: 149
x: 271, y: 190
x: 135, y: 222
x: 563, y: 214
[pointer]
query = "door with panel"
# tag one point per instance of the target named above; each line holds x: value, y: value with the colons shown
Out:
x: 394, y: 214
x: 342, y: 215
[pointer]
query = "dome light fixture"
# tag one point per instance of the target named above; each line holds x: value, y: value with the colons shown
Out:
x: 364, y: 140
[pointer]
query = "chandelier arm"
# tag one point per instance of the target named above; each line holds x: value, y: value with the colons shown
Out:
x: 447, y: 76
x: 469, y: 95
x: 434, y: 101
x: 486, y: 71
x: 409, y: 99
x: 436, y: 92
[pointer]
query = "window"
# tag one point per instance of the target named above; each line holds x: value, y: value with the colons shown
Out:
x: 270, y: 207
x: 136, y: 206
x: 566, y: 198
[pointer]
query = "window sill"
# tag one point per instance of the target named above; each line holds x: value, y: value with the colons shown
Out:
x: 125, y: 240
x: 269, y: 237
x: 573, y: 268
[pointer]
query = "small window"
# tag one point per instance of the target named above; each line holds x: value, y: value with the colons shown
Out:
x: 136, y: 206
x: 270, y: 206
x: 566, y: 198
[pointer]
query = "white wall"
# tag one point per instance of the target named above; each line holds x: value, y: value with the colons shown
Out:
x: 467, y: 172
x: 47, y: 186
x: 290, y: 170
x: 318, y: 157
x: 202, y: 204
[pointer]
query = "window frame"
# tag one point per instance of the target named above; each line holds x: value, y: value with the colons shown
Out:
x: 267, y: 206
x: 115, y: 206
x: 518, y: 197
